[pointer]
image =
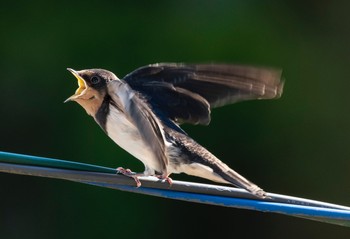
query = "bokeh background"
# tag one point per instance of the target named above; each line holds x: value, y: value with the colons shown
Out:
x: 297, y: 145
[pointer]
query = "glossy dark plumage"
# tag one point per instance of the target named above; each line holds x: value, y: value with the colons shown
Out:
x: 186, y: 93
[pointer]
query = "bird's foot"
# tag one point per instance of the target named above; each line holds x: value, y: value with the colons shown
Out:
x: 127, y: 172
x: 165, y: 178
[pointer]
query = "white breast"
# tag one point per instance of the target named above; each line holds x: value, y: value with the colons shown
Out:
x: 126, y: 135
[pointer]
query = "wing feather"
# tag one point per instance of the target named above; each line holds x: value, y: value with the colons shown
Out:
x: 186, y: 93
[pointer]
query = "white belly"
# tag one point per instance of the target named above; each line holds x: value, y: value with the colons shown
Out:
x: 126, y: 135
x: 199, y: 170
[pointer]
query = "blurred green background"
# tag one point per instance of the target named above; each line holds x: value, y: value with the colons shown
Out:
x: 297, y: 145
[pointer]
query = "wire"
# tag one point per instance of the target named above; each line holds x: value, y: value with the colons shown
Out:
x: 180, y: 190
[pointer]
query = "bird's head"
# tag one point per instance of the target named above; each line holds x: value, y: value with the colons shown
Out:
x: 92, y: 87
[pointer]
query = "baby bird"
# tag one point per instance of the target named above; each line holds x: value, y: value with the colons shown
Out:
x: 142, y: 112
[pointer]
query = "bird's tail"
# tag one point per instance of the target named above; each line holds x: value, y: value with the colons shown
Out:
x: 238, y: 180
x: 201, y: 163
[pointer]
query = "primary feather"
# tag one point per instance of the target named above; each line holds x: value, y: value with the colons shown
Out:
x: 186, y: 93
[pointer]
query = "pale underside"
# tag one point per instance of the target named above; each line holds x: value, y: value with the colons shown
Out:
x: 127, y: 136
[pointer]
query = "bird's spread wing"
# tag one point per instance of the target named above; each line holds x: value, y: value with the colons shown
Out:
x: 140, y: 114
x: 186, y: 93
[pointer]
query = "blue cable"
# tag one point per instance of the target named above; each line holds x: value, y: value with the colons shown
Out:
x: 185, y: 191
x: 327, y: 215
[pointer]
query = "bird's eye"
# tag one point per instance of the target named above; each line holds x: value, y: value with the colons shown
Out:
x: 95, y: 80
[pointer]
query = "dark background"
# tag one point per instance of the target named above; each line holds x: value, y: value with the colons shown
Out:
x: 297, y: 145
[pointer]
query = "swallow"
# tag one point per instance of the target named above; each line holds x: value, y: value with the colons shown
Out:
x: 143, y: 111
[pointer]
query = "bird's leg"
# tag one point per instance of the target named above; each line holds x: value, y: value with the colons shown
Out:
x: 127, y: 172
x: 165, y: 178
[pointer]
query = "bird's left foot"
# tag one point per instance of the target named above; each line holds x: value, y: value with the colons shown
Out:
x: 165, y: 178
x: 127, y: 172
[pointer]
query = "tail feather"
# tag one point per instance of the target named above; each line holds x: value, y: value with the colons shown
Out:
x: 238, y: 180
x: 198, y: 161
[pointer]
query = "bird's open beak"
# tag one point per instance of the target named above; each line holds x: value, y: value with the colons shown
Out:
x: 81, y: 83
